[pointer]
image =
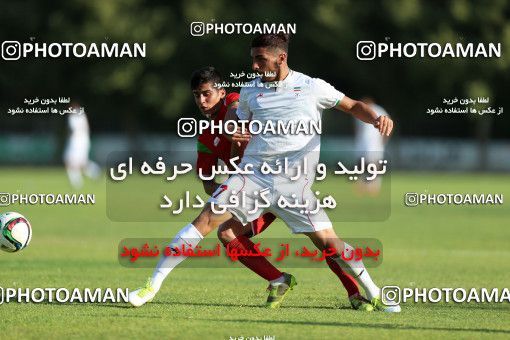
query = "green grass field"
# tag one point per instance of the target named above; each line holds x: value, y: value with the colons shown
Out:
x: 425, y: 246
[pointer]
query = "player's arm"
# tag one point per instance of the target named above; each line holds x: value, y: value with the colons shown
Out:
x: 231, y: 115
x: 240, y: 138
x: 364, y: 113
x: 242, y: 112
x: 236, y: 150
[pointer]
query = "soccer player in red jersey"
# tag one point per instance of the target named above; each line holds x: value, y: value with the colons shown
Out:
x: 215, y: 104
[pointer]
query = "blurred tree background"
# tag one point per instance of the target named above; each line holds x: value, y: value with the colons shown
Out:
x: 137, y: 96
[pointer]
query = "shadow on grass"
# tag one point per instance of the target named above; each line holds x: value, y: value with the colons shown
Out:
x: 212, y: 304
x: 261, y: 305
x: 364, y: 325
x: 91, y: 304
x: 498, y: 308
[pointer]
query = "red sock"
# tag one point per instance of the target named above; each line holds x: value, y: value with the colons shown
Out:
x: 348, y: 281
x: 257, y: 264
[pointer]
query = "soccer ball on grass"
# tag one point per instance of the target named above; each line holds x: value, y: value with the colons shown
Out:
x: 15, y: 232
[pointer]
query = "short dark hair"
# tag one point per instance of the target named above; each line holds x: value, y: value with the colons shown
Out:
x: 205, y: 75
x: 280, y: 41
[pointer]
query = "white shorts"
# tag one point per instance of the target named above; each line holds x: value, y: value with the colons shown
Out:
x: 247, y: 189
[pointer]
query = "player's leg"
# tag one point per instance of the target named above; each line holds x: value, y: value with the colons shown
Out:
x: 349, y: 283
x: 327, y: 238
x: 73, y: 164
x: 374, y: 154
x: 75, y: 159
x: 92, y: 170
x: 192, y: 234
x: 189, y: 236
x: 234, y: 234
x: 299, y: 222
x: 74, y: 175
x: 347, y: 280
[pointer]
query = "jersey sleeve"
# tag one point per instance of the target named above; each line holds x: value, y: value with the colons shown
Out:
x: 326, y: 95
x: 206, y: 159
x: 243, y: 110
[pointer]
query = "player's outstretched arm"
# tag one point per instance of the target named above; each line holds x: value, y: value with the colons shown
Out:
x: 363, y: 112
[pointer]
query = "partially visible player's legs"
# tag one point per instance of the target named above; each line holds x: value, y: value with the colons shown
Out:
x: 74, y: 175
x: 240, y: 241
x: 358, y: 301
x: 308, y: 224
x: 92, y: 170
x: 234, y: 235
x: 327, y: 238
x: 373, y: 155
x: 75, y: 160
x: 261, y: 223
x: 347, y: 280
x: 189, y: 236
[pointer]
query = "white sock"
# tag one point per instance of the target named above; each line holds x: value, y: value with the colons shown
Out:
x: 277, y: 281
x: 359, y: 272
x: 189, y: 235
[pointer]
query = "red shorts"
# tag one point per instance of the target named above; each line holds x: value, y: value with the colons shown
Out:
x: 260, y: 224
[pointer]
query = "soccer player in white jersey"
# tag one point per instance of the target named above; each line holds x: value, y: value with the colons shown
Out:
x: 285, y: 95
x: 76, y: 154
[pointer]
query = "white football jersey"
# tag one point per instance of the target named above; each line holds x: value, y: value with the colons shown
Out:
x: 297, y: 98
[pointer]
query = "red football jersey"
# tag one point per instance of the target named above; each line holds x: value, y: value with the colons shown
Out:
x: 211, y: 147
